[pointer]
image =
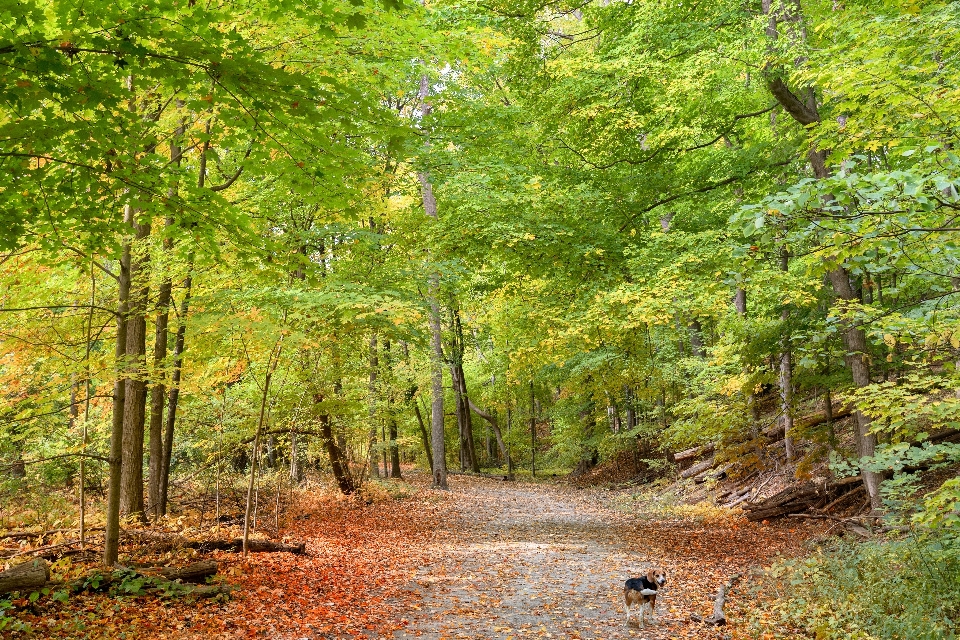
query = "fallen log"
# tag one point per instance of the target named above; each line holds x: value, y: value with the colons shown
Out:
x: 699, y: 468
x: 196, y: 572
x: 27, y: 576
x: 174, y: 541
x: 694, y: 452
x: 255, y: 546
x: 808, y: 422
x: 719, y: 618
x: 709, y: 474
x: 743, y: 498
x: 799, y: 498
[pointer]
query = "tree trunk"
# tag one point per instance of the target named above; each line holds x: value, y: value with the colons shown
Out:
x: 158, y: 394
x: 338, y: 462
x: 464, y: 394
x: 533, y: 434
x: 436, y: 330
x: 374, y: 363
x: 29, y: 576
x: 786, y: 371
x: 495, y: 426
x: 158, y: 391
x: 806, y: 113
x: 424, y: 436
x: 173, y: 399
x: 271, y: 366
x: 135, y: 398
x: 111, y: 545
x: 391, y: 420
x: 296, y: 476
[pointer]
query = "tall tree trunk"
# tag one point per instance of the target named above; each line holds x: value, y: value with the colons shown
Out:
x: 158, y: 395
x: 740, y: 305
x: 271, y: 367
x: 111, y: 545
x: 805, y: 111
x: 374, y: 363
x: 464, y: 396
x: 392, y: 434
x: 158, y: 390
x: 533, y: 433
x: 786, y: 371
x: 436, y: 330
x: 135, y: 396
x: 173, y: 398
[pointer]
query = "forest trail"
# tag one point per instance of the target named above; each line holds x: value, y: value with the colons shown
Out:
x: 534, y: 560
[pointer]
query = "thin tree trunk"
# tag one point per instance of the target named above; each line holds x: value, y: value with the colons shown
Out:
x: 158, y: 394
x: 436, y: 329
x: 111, y: 545
x: 374, y: 363
x: 786, y: 371
x: 86, y: 411
x: 158, y: 391
x: 464, y: 394
x: 424, y: 436
x: 173, y: 399
x: 491, y: 418
x: 271, y: 367
x: 533, y: 434
x: 740, y: 305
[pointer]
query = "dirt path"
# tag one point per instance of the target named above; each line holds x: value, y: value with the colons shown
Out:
x: 531, y: 561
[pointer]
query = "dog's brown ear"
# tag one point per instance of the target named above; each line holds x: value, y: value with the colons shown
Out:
x: 651, y: 574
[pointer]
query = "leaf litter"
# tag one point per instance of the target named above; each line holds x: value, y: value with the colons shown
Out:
x: 487, y: 559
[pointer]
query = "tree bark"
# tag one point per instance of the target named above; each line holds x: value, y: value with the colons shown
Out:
x: 111, y: 545
x: 28, y: 576
x: 173, y: 399
x: 271, y: 366
x: 495, y: 426
x: 533, y: 433
x: 854, y: 338
x: 392, y: 433
x: 786, y: 371
x: 424, y: 436
x: 374, y: 364
x: 436, y: 330
x: 338, y: 462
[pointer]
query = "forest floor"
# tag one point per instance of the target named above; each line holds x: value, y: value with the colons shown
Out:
x: 486, y: 560
x: 549, y: 561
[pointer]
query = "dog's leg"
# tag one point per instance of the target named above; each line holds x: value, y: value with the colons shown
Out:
x: 626, y: 603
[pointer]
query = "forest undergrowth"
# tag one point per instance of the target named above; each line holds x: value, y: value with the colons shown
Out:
x: 351, y: 581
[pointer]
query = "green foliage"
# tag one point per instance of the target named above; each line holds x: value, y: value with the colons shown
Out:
x: 907, y: 588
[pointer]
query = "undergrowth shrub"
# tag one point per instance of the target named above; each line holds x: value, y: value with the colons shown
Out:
x: 908, y: 588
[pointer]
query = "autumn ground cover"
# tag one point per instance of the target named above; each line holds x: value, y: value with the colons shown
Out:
x: 548, y: 561
x: 352, y: 581
x: 489, y: 559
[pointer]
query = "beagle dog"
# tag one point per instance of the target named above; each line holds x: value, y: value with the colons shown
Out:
x: 643, y: 591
